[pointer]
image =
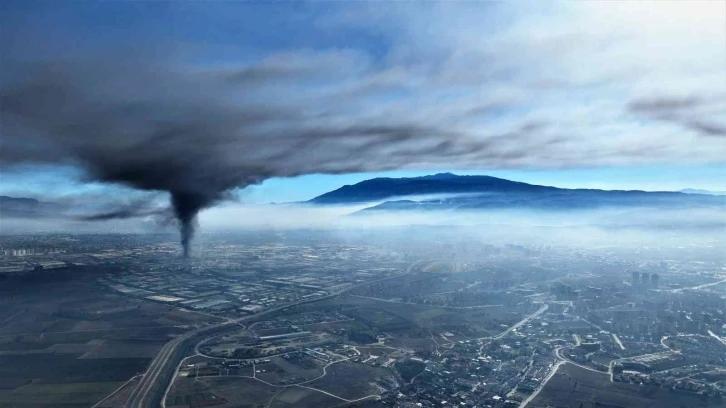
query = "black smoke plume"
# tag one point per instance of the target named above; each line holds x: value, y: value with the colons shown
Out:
x: 196, y: 118
x: 135, y: 210
x: 159, y: 128
x: 186, y: 206
x: 157, y: 125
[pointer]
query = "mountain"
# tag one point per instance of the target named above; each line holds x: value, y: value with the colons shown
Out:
x: 27, y: 207
x: 378, y: 189
x: 446, y: 191
x: 698, y: 191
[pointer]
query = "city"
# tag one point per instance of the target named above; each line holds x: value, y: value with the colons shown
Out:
x: 363, y: 204
x: 304, y: 319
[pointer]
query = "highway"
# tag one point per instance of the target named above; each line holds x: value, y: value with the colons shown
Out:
x: 151, y: 388
x: 721, y: 339
x: 553, y: 371
x: 536, y: 392
x: 116, y: 391
x: 142, y: 395
x: 698, y: 287
x: 514, y: 327
x: 617, y: 340
x: 522, y: 322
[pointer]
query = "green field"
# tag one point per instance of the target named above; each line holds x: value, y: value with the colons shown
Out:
x: 66, y: 344
x: 404, y: 319
x: 575, y: 387
x: 302, y: 397
x: 351, y: 380
x: 52, y: 395
x: 410, y: 369
x: 307, y: 369
x: 120, y: 397
x: 237, y: 390
x: 440, y: 267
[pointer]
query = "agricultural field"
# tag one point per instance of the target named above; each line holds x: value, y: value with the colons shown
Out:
x: 186, y: 391
x: 442, y: 267
x: 295, y: 380
x: 575, y: 387
x: 71, y: 342
x: 409, y: 369
x: 413, y: 321
x: 303, y: 397
x: 412, y: 340
x: 353, y: 380
x: 240, y: 392
x: 63, y: 395
x: 282, y: 370
x: 119, y: 397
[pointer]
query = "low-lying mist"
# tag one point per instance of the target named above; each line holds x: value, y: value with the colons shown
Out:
x: 606, y: 226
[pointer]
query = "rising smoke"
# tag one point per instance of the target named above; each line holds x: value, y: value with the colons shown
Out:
x: 158, y: 128
x: 135, y: 209
x: 186, y: 206
x: 152, y: 122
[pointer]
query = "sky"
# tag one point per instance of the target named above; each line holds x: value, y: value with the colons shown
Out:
x: 283, y: 101
x: 648, y: 178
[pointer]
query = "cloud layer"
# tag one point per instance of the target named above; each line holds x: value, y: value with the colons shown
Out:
x: 375, y: 87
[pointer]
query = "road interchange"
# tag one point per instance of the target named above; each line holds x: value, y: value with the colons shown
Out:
x: 157, y: 378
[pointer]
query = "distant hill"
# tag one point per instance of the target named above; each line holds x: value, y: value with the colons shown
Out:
x: 378, y: 189
x: 446, y: 191
x: 697, y: 191
x: 27, y: 207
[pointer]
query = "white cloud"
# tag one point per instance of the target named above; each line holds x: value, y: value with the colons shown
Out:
x: 464, y: 85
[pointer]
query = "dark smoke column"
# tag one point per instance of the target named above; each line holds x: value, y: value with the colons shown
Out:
x: 186, y: 206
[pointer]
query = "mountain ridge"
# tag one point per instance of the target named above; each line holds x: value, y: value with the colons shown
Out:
x: 27, y: 207
x: 701, y: 191
x: 386, y: 187
x: 479, y: 192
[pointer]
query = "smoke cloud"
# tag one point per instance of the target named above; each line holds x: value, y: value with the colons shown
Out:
x: 186, y: 206
x: 154, y: 128
x: 142, y: 208
x: 431, y: 95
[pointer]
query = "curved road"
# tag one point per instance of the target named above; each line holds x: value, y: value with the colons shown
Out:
x: 154, y: 382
